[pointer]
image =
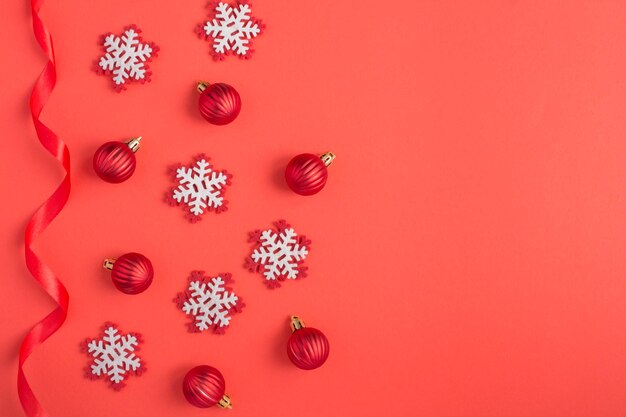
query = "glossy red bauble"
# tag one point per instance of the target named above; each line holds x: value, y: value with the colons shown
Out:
x: 204, y: 387
x: 131, y: 273
x: 115, y: 162
x: 307, y: 347
x: 306, y: 174
x: 219, y: 103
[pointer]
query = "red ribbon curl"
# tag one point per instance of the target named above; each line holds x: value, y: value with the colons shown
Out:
x: 41, y: 219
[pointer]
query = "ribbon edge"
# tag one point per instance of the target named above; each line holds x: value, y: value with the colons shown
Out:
x: 41, y: 218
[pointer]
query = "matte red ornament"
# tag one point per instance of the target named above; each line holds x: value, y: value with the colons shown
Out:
x: 115, y: 162
x: 204, y: 387
x: 307, y: 347
x: 219, y: 103
x: 131, y: 273
x: 306, y: 174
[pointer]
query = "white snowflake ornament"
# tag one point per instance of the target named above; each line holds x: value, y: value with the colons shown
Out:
x: 230, y: 28
x: 199, y: 188
x: 126, y: 57
x: 209, y: 301
x: 278, y: 254
x: 113, y: 356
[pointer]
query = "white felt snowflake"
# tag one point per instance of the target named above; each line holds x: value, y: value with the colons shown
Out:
x: 199, y: 188
x: 230, y: 28
x: 278, y: 254
x: 114, y: 356
x: 126, y: 58
x: 209, y: 301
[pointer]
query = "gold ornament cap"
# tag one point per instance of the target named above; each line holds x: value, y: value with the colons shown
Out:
x: 202, y: 85
x: 108, y: 263
x: 134, y: 143
x: 327, y: 158
x: 296, y: 323
x: 225, y: 402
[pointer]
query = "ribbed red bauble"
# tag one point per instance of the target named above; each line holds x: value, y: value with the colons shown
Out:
x: 204, y: 387
x: 131, y: 273
x: 307, y: 347
x: 219, y: 103
x: 306, y: 174
x: 115, y: 162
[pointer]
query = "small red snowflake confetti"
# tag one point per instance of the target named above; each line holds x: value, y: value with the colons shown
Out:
x: 279, y: 254
x: 209, y: 301
x: 230, y: 28
x: 113, y: 357
x: 199, y: 188
x: 126, y: 57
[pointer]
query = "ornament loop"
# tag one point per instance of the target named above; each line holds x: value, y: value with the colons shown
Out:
x: 108, y: 263
x: 202, y: 85
x: 296, y: 323
x: 327, y: 158
x: 225, y: 402
x: 134, y: 143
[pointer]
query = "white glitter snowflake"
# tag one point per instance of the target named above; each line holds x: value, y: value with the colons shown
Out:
x: 126, y: 57
x: 200, y: 188
x: 278, y: 253
x: 209, y: 301
x: 114, y: 356
x: 231, y: 29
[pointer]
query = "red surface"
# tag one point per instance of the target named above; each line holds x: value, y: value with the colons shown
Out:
x: 469, y: 244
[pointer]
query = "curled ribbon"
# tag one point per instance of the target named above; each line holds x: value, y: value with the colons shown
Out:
x: 41, y: 219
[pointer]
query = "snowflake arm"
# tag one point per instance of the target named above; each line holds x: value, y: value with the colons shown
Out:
x: 111, y: 43
x: 217, y: 27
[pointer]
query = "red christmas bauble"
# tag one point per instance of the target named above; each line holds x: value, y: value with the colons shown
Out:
x: 131, y: 273
x: 307, y: 347
x: 115, y: 162
x: 204, y: 387
x: 306, y: 174
x: 219, y: 103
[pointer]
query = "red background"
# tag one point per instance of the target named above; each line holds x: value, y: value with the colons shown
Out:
x: 468, y: 250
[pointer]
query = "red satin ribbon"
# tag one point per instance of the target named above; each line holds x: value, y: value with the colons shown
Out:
x: 41, y: 219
